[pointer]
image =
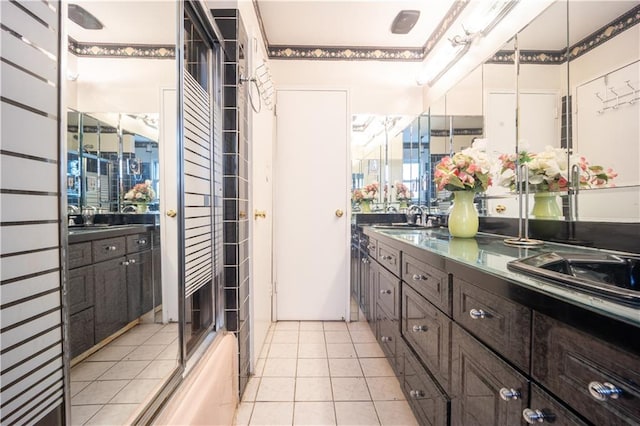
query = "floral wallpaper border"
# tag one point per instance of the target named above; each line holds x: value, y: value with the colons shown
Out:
x: 114, y: 50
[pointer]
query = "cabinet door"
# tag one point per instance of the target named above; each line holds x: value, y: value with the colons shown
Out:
x: 389, y: 338
x: 81, y: 335
x: 388, y: 295
x: 478, y: 377
x: 81, y: 287
x: 79, y: 254
x: 139, y: 284
x: 363, y: 283
x: 546, y: 409
x: 111, y: 297
x: 157, y: 276
x: 576, y: 367
x: 372, y: 286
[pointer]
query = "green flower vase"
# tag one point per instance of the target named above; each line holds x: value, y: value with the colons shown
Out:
x: 142, y: 208
x: 365, y: 206
x: 545, y: 206
x: 463, y: 218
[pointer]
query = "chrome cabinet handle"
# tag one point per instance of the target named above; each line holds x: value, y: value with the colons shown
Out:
x: 365, y: 260
x: 141, y: 242
x: 534, y: 416
x: 477, y: 314
x: 419, y: 328
x: 386, y: 338
x: 385, y: 291
x: 604, y: 391
x: 387, y: 257
x: 125, y: 263
x: 416, y: 394
x: 417, y: 277
x: 131, y: 261
x: 110, y: 248
x: 509, y: 394
x: 371, y: 247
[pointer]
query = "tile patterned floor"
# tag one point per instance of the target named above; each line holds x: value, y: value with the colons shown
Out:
x: 323, y: 373
x: 107, y: 387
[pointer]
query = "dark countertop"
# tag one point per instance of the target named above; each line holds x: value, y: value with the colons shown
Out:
x: 81, y: 234
x: 489, y: 254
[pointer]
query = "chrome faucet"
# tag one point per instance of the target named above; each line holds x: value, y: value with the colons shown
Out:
x: 88, y: 212
x: 72, y: 209
x: 413, y: 211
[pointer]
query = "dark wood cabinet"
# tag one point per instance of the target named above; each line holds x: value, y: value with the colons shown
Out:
x: 388, y: 257
x: 111, y: 297
x: 432, y: 283
x: 544, y: 408
x: 428, y: 332
x: 139, y: 284
x: 388, y: 338
x: 81, y: 334
x: 598, y: 380
x: 80, y: 284
x: 500, y: 323
x: 388, y: 293
x: 479, y: 379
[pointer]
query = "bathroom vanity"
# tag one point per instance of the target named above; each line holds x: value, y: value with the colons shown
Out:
x: 475, y: 342
x: 114, y: 279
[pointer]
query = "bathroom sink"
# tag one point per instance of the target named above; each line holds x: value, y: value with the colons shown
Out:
x: 402, y: 225
x: 609, y: 276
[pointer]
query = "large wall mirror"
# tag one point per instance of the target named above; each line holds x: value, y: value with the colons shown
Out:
x: 124, y: 348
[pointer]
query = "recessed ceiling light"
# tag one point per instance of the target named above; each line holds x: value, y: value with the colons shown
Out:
x: 86, y: 20
x: 404, y: 21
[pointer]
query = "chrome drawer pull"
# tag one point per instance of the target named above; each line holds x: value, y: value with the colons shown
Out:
x: 604, y: 391
x: 385, y: 291
x: 365, y: 260
x: 386, y: 338
x: 477, y: 314
x: 132, y: 261
x: 417, y: 277
x: 141, y: 242
x: 509, y: 394
x: 125, y: 263
x: 371, y: 247
x: 418, y: 328
x: 416, y: 394
x: 110, y: 248
x: 387, y: 257
x: 534, y: 416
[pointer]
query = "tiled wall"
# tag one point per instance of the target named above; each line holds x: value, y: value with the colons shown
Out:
x: 236, y: 185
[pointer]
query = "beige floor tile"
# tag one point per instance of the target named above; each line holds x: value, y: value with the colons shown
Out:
x: 316, y: 336
x: 385, y: 389
x: 259, y: 367
x: 131, y: 339
x: 99, y: 392
x: 312, y: 367
x: 172, y: 326
x: 111, y: 353
x: 313, y: 389
x: 395, y: 413
x: 88, y: 371
x: 286, y: 336
x: 356, y: 413
x: 243, y: 414
x: 276, y: 389
x: 158, y: 369
x: 312, y: 350
x: 78, y: 386
x: 80, y: 414
x: 369, y: 350
x: 283, y: 350
x: 362, y: 336
x: 269, y: 337
x: 279, y: 367
x: 152, y: 328
x: 125, y: 370
x: 170, y: 352
x: 376, y: 367
x: 340, y: 350
x: 161, y: 339
x: 287, y: 325
x: 344, y: 367
x: 311, y: 326
x: 145, y: 353
x: 337, y: 336
x: 272, y: 413
x: 314, y: 414
x: 350, y: 389
x: 113, y: 414
x: 251, y: 389
x: 136, y: 392
x: 335, y: 326
x: 358, y: 325
x: 265, y: 350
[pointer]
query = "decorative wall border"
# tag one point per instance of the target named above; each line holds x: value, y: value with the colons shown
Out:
x: 126, y: 50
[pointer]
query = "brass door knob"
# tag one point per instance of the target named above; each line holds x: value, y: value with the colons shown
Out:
x: 171, y: 213
x: 260, y: 213
x: 339, y: 213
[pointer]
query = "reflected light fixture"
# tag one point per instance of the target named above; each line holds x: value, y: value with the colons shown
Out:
x: 404, y: 21
x: 82, y: 17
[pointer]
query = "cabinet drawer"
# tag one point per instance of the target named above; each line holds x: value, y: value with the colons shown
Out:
x: 79, y: 255
x: 572, y: 364
x: 81, y: 286
x: 389, y: 258
x: 388, y: 294
x: 81, y: 335
x: 389, y: 339
x: 429, y: 402
x: 478, y: 376
x: 549, y: 409
x: 369, y: 245
x: 138, y: 242
x: 428, y: 332
x: 108, y: 248
x: 431, y: 283
x: 502, y: 324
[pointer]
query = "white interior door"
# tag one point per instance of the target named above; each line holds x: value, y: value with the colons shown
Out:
x: 310, y: 240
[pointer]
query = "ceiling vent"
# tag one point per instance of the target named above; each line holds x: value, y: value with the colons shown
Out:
x: 404, y: 21
x: 86, y: 20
